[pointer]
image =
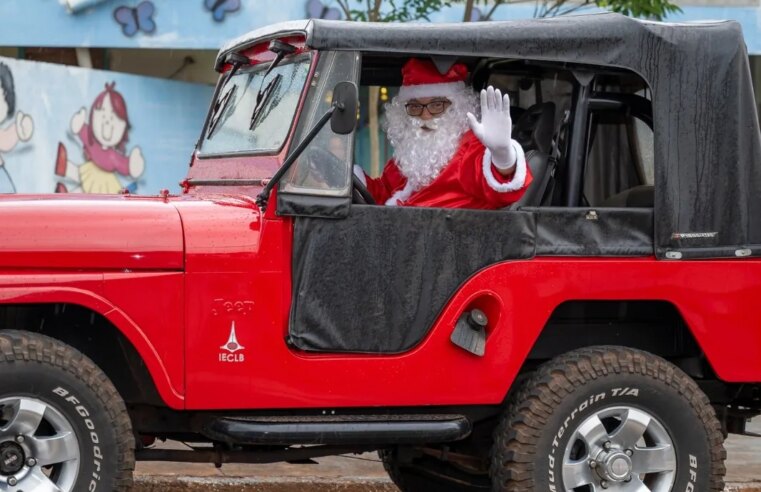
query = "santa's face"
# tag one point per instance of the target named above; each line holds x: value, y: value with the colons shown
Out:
x: 426, y: 132
x: 107, y: 127
x: 427, y: 109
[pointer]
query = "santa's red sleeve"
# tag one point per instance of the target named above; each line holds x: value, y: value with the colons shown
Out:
x: 382, y: 187
x: 481, y: 179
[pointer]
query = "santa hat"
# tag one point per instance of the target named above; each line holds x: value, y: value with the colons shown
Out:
x: 421, y: 78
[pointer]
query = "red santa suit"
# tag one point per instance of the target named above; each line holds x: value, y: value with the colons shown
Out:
x: 469, y: 179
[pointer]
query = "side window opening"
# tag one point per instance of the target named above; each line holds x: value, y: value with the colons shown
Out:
x: 619, y: 155
x: 324, y: 166
x: 619, y: 166
x: 612, y: 158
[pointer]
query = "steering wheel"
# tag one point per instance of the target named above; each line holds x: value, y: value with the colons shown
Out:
x: 359, y: 192
x: 331, y: 171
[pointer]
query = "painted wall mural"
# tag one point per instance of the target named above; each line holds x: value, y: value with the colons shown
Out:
x: 136, y: 19
x: 67, y: 129
x: 220, y: 8
x: 17, y: 126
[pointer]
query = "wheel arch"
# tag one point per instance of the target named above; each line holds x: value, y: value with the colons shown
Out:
x: 653, y: 326
x: 102, y: 332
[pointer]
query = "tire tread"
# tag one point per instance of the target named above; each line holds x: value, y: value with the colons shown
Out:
x: 529, y: 408
x: 20, y: 346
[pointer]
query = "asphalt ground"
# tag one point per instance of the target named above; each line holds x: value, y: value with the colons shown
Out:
x: 365, y: 473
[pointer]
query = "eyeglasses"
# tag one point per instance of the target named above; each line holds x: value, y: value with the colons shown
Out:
x: 433, y: 107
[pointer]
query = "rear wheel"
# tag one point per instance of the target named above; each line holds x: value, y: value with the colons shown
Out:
x: 608, y: 418
x: 63, y: 426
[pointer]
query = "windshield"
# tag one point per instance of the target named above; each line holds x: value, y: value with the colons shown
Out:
x: 252, y: 113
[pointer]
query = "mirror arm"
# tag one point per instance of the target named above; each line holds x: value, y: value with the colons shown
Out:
x: 261, y: 198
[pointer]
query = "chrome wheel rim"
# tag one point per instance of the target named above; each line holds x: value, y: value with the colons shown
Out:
x: 620, y: 449
x: 39, y: 451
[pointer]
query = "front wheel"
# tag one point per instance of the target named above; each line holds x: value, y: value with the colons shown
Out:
x: 63, y: 426
x: 608, y: 418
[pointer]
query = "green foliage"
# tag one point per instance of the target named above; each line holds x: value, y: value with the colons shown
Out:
x: 391, y: 10
x: 649, y: 9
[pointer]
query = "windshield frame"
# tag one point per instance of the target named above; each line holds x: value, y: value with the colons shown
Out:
x: 309, y: 57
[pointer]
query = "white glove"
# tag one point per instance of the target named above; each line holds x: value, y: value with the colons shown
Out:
x: 136, y: 162
x: 24, y: 126
x: 495, y: 128
x: 78, y: 121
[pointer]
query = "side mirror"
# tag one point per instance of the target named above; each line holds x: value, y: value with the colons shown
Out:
x: 344, y: 118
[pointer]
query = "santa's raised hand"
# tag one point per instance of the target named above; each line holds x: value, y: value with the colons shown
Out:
x: 495, y: 128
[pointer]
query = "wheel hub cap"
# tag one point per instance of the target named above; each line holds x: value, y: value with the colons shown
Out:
x: 39, y: 450
x: 619, y: 449
x: 12, y: 458
x: 616, y: 467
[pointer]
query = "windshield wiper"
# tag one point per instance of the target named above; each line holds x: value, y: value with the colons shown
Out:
x: 237, y: 60
x: 262, y: 98
x: 220, y: 107
x: 280, y: 49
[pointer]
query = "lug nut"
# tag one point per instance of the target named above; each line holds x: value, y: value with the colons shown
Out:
x: 607, y: 445
x: 12, y: 481
x: 19, y: 439
x: 31, y: 462
x: 592, y: 464
x: 604, y: 484
x: 629, y: 452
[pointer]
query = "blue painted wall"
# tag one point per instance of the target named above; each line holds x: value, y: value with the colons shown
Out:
x: 165, y: 117
x: 191, y: 24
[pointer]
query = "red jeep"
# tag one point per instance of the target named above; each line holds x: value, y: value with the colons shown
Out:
x: 600, y: 334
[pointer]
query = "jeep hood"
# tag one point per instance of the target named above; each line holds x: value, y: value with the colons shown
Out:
x: 86, y: 232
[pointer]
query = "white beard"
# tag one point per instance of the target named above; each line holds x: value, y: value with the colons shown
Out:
x: 422, y: 154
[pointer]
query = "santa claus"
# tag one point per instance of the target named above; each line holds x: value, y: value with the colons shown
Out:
x: 443, y: 156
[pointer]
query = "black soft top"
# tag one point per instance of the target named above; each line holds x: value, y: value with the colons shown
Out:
x: 707, y: 147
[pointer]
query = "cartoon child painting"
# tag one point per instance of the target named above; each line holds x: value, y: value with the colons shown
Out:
x: 20, y: 129
x: 104, y: 139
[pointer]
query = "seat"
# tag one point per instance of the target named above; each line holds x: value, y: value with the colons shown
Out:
x: 535, y: 127
x: 637, y: 196
x: 534, y: 130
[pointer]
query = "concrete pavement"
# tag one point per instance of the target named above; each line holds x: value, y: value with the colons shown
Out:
x: 365, y: 473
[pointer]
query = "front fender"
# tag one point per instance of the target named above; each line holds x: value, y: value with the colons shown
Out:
x: 170, y: 387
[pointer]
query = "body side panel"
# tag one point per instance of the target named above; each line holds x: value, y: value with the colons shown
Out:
x: 715, y: 298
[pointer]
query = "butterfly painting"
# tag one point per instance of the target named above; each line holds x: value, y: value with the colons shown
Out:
x: 136, y: 19
x: 317, y: 10
x: 220, y: 8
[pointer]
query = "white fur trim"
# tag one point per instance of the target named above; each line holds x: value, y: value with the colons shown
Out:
x: 407, y: 92
x: 519, y: 178
x: 401, y: 195
x: 360, y: 173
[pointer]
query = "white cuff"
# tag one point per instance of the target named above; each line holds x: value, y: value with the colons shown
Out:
x: 400, y: 196
x: 360, y: 173
x: 519, y: 178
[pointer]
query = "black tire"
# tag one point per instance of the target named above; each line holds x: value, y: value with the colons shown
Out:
x: 426, y: 474
x: 64, y: 396
x: 541, y: 435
